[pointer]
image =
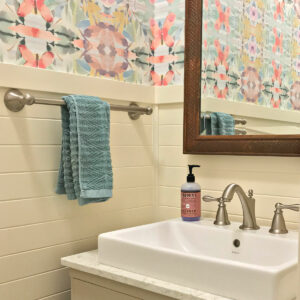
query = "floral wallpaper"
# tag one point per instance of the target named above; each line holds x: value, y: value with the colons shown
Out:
x: 91, y: 37
x: 251, y: 51
x: 167, y: 42
x: 119, y: 39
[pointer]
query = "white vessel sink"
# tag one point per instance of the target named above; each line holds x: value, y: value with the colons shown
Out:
x: 202, y: 256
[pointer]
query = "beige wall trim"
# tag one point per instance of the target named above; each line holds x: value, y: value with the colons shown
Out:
x: 64, y: 83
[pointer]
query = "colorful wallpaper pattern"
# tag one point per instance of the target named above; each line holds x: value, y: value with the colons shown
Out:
x: 91, y: 37
x: 167, y: 43
x: 250, y: 49
x: 119, y: 39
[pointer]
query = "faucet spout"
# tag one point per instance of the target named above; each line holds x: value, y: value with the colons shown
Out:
x: 248, y: 205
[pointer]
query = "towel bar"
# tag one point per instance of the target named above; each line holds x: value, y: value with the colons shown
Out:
x: 15, y: 101
x: 236, y: 121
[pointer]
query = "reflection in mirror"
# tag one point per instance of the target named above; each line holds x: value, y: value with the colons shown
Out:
x: 213, y: 123
x: 250, y: 68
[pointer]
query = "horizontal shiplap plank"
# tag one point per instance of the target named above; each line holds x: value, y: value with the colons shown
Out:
x: 170, y: 135
x: 22, y: 212
x: 172, y: 156
x: 19, y: 131
x: 27, y: 185
x: 47, y: 158
x: 263, y: 183
x: 59, y: 296
x: 31, y: 237
x: 36, y: 287
x: 170, y: 196
x: 171, y: 114
x: 29, y: 158
x: 128, y: 156
x: 43, y: 184
x: 133, y: 197
x: 34, y: 262
x: 29, y: 131
x: 133, y: 177
x: 130, y: 135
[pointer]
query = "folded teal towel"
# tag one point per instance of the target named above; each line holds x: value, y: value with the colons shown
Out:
x: 85, y: 169
x: 220, y: 124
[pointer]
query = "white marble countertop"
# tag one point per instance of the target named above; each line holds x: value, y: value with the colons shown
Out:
x: 88, y: 262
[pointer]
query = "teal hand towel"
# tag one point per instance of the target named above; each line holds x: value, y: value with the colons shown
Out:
x: 221, y: 124
x: 85, y: 171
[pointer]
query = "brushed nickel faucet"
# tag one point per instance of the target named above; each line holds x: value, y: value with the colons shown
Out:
x: 278, y: 223
x: 248, y: 206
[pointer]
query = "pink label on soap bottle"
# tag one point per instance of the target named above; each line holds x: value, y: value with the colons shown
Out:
x: 190, y: 204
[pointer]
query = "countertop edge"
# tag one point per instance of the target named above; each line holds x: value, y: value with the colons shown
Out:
x: 87, y: 262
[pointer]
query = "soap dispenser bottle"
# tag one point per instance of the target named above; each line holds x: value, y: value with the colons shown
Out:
x: 190, y: 198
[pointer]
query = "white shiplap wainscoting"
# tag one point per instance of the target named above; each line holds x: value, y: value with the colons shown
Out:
x: 38, y: 227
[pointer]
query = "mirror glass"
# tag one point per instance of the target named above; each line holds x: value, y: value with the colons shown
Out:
x: 250, y: 67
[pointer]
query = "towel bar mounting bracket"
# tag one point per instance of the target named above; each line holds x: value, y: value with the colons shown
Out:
x: 15, y: 100
x: 133, y: 115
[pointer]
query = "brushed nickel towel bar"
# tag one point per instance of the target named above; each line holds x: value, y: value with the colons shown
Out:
x: 15, y: 101
x: 236, y: 121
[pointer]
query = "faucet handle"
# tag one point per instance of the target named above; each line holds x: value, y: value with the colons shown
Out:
x: 278, y: 223
x: 222, y: 216
x: 211, y: 199
x: 295, y: 207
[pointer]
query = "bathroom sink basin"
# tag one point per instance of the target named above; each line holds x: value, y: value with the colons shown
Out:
x: 225, y: 261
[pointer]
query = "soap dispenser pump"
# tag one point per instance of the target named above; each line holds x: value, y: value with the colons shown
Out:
x: 190, y: 197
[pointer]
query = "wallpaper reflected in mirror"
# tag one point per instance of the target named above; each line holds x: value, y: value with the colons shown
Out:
x: 250, y: 67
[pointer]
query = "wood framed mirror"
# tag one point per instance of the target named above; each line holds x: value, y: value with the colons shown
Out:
x: 273, y: 96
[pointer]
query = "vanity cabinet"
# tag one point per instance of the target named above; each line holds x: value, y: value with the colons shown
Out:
x: 86, y: 286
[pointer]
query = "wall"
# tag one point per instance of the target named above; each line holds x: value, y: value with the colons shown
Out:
x: 250, y: 52
x: 37, y: 227
x: 273, y: 179
x: 118, y: 39
x: 167, y: 66
x: 142, y: 41
x: 87, y: 37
